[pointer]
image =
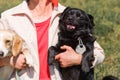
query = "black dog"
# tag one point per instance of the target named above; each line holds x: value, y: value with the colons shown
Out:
x: 76, y: 30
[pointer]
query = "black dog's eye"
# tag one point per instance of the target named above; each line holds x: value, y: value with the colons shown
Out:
x: 78, y: 15
x: 71, y: 13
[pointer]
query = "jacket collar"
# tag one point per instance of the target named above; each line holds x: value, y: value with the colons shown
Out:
x: 23, y: 9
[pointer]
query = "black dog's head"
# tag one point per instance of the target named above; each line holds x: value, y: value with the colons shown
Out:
x: 76, y: 22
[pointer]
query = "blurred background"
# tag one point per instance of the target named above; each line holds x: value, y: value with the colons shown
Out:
x: 107, y: 29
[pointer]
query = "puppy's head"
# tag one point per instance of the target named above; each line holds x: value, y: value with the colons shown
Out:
x: 76, y: 21
x: 10, y: 43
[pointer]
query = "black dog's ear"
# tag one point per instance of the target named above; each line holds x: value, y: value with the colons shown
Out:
x: 91, y: 18
x: 91, y: 21
x: 64, y: 12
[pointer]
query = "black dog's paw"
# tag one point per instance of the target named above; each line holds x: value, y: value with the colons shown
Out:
x: 85, y: 66
x: 51, y: 55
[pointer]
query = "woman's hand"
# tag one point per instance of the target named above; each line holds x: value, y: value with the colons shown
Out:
x: 69, y: 57
x: 18, y: 61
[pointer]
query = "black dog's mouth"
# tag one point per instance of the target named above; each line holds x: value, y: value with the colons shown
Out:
x: 71, y: 27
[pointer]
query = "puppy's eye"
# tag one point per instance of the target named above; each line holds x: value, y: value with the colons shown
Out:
x: 7, y: 41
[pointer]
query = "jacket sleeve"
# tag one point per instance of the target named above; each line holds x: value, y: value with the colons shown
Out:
x: 98, y: 54
x: 3, y: 22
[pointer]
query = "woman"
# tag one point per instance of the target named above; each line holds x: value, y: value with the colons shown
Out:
x: 36, y: 22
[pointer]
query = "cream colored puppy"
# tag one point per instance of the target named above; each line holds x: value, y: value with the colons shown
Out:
x: 10, y: 44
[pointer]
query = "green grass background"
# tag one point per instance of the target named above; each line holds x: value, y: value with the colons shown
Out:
x: 107, y: 29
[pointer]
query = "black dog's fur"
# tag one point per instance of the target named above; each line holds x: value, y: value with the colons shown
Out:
x: 73, y: 24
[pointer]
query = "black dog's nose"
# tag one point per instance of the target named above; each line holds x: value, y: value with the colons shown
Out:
x: 1, y: 53
x: 70, y: 18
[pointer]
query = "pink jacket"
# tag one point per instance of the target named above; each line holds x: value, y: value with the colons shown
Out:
x: 19, y: 19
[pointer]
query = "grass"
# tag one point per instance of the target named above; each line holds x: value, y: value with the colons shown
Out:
x: 107, y: 22
x: 6, y: 4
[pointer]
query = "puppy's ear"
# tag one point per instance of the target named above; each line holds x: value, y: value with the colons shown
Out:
x: 17, y: 45
x: 64, y: 12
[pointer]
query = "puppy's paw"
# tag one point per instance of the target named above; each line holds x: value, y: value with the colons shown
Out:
x: 29, y: 58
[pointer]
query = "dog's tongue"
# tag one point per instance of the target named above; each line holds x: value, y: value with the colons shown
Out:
x: 70, y: 26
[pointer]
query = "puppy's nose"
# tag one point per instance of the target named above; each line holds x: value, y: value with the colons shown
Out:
x: 1, y: 53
